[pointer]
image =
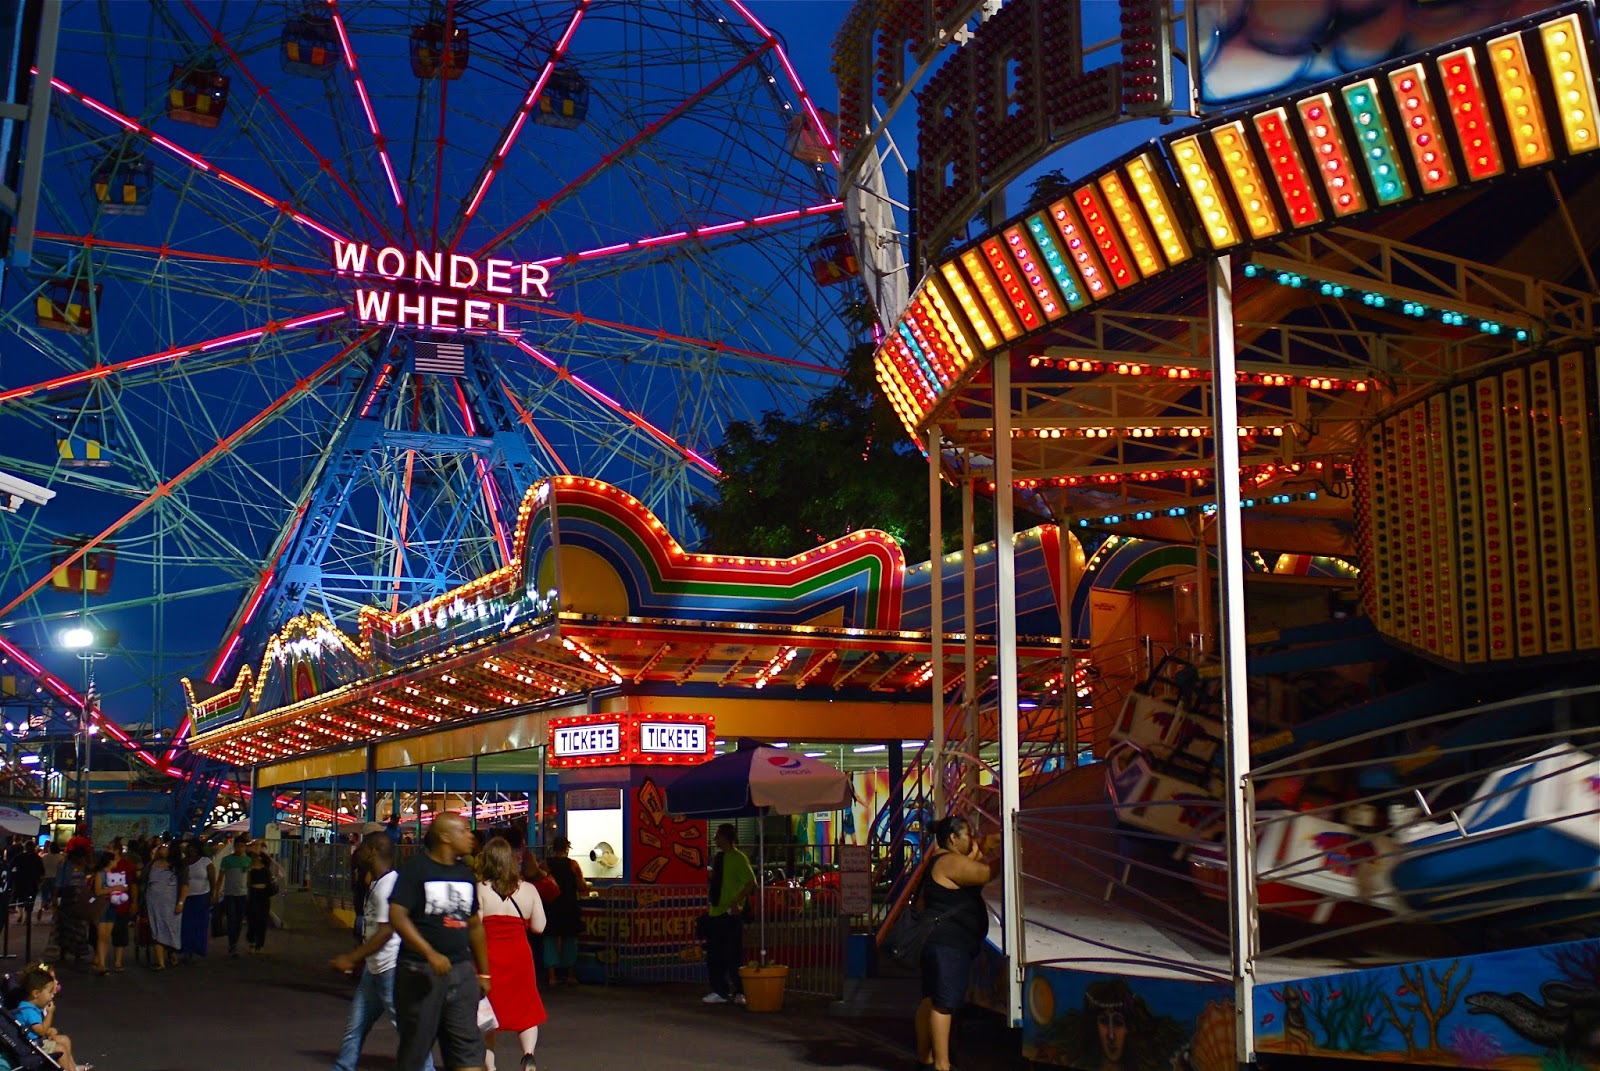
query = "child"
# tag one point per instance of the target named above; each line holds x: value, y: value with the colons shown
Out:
x: 37, y: 1012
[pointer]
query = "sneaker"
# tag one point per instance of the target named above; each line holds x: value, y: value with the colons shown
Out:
x: 738, y: 998
x: 713, y: 998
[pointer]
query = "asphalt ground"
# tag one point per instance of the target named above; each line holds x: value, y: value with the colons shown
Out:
x: 286, y: 1010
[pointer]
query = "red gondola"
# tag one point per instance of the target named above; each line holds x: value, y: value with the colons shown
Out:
x: 67, y: 305
x: 310, y: 47
x: 89, y: 575
x: 198, y: 96
x: 833, y: 259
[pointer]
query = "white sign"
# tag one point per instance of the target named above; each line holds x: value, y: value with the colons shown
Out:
x: 447, y: 291
x: 672, y: 738
x: 855, y: 879
x: 575, y: 741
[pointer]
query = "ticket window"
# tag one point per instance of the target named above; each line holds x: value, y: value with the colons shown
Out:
x: 595, y: 827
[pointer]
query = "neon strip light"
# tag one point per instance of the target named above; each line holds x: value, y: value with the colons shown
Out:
x: 1140, y: 244
x: 697, y: 232
x: 529, y: 102
x: 1332, y: 158
x: 989, y: 293
x: 1376, y: 141
x: 817, y: 125
x: 1284, y: 158
x: 190, y: 158
x: 366, y: 103
x: 1568, y: 60
x: 1035, y: 276
x: 1150, y: 185
x: 1530, y: 138
x: 1207, y: 195
x: 1463, y: 88
x: 1060, y: 270
x: 970, y: 305
x: 1098, y: 225
x: 611, y: 403
x: 1239, y: 160
x: 1011, y: 284
x: 1081, y: 249
x: 105, y: 371
x: 1421, y: 125
x: 1379, y: 300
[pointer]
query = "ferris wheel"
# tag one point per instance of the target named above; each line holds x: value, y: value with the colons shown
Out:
x: 320, y: 289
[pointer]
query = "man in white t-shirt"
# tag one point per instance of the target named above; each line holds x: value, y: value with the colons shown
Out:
x: 375, y: 992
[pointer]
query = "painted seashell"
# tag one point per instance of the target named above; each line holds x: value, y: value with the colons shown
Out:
x: 1212, y: 1046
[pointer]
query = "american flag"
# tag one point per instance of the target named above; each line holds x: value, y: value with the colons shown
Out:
x: 439, y: 358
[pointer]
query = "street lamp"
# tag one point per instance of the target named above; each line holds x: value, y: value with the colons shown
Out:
x: 84, y: 641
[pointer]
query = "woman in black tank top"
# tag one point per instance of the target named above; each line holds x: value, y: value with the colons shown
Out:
x: 952, y: 892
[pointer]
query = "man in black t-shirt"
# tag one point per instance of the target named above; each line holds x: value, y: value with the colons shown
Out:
x: 434, y: 909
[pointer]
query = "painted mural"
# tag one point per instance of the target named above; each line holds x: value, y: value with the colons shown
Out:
x: 666, y: 849
x: 1531, y: 1009
x: 1104, y: 1022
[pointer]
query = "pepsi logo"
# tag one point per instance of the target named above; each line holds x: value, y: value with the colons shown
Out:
x: 784, y: 762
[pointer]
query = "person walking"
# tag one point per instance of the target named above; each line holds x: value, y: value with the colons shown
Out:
x: 166, y: 884
x: 562, y: 917
x: 952, y: 890
x: 434, y: 909
x: 511, y: 911
x: 376, y: 956
x: 261, y: 887
x: 72, y: 931
x: 52, y: 864
x: 202, y: 880
x: 234, y: 871
x: 732, y: 883
x: 26, y: 876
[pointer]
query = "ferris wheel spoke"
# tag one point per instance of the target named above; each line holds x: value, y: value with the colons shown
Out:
x: 491, y: 499
x: 366, y: 107
x: 167, y: 252
x: 444, y: 111
x: 265, y: 94
x: 194, y: 160
x: 508, y: 137
x: 223, y: 447
x: 525, y: 418
x: 818, y: 127
x: 621, y: 410
x: 173, y: 353
x: 737, y: 226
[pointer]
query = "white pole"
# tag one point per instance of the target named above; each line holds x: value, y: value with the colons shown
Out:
x: 970, y: 691
x: 761, y: 880
x: 935, y: 767
x: 1005, y: 553
x: 1244, y: 937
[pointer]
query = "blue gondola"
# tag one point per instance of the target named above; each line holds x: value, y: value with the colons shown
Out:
x: 310, y: 47
x: 564, y: 102
x: 122, y: 184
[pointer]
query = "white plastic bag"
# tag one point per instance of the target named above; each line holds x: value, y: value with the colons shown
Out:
x: 486, y: 1019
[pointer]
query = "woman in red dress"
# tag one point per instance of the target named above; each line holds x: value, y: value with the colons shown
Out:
x: 511, y: 909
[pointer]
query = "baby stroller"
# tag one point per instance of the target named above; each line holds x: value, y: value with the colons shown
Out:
x: 19, y: 1050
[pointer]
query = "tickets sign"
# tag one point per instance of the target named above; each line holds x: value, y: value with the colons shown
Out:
x: 626, y: 739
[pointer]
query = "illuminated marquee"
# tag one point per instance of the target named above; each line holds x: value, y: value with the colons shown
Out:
x: 625, y: 739
x: 441, y: 291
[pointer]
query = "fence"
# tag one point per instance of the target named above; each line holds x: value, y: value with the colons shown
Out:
x: 646, y: 933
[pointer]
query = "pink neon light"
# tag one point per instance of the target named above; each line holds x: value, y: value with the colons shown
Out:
x: 817, y: 125
x: 603, y: 250
x: 723, y: 228
x: 675, y: 236
x: 779, y: 217
x: 366, y: 103
x: 157, y: 139
x: 515, y: 126
x: 106, y: 370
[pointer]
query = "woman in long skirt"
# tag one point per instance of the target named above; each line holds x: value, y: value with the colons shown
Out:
x: 196, y: 932
x: 166, y: 886
x: 72, y: 932
x: 511, y: 911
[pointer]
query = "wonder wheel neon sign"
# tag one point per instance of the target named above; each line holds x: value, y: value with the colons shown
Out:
x: 437, y: 291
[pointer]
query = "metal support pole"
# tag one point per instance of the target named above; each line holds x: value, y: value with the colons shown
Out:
x: 38, y: 125
x: 474, y: 788
x: 971, y: 692
x: 537, y: 820
x: 897, y: 807
x: 369, y: 811
x: 1244, y: 937
x: 419, y: 804
x: 1069, y: 659
x: 1202, y: 572
x: 935, y: 766
x: 1005, y: 636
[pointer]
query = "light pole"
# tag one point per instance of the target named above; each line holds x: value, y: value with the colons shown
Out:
x: 83, y: 642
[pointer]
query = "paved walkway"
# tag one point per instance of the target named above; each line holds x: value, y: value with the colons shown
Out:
x: 285, y: 1012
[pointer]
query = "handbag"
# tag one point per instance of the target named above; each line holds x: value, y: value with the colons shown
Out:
x: 87, y: 907
x: 909, y: 934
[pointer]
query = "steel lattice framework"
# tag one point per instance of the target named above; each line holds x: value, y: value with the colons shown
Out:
x: 182, y: 318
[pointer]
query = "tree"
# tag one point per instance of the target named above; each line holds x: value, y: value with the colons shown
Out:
x: 844, y: 464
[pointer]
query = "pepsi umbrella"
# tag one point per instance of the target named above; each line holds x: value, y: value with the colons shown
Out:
x: 758, y: 780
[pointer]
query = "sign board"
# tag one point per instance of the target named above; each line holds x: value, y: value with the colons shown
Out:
x: 584, y: 741
x: 441, y: 291
x: 629, y: 739
x: 672, y: 738
x: 855, y: 879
